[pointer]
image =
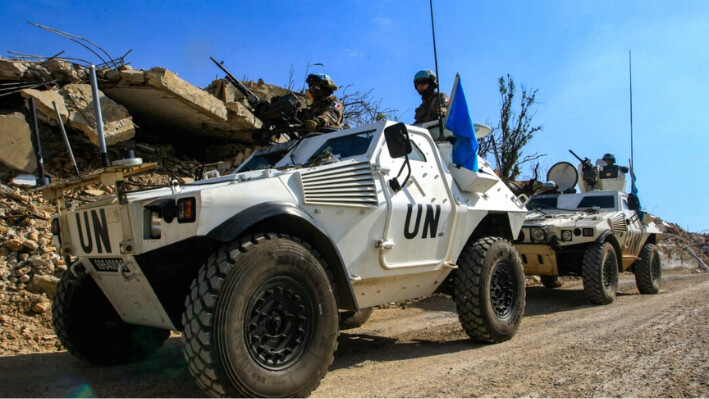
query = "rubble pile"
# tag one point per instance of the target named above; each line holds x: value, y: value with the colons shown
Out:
x: 30, y: 267
x: 682, y: 249
x: 138, y: 107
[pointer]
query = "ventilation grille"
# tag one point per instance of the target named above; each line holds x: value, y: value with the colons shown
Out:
x: 349, y: 185
x: 618, y: 222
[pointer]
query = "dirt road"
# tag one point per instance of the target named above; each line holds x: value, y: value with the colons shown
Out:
x: 641, y: 346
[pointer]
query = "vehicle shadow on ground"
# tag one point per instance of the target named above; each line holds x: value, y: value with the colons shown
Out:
x: 355, y: 349
x: 62, y: 375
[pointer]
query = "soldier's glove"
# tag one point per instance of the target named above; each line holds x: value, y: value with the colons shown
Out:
x: 624, y: 169
x: 311, y: 125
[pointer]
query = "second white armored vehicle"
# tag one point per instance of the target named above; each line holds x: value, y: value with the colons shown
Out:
x: 259, y: 269
x: 595, y: 233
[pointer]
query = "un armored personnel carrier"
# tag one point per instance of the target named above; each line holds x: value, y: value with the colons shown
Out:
x: 595, y: 233
x: 260, y: 268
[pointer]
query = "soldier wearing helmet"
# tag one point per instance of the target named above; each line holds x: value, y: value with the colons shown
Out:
x: 426, y: 83
x: 608, y: 158
x: 325, y: 109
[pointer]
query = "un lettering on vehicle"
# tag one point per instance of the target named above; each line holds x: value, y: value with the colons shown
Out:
x: 93, y: 231
x: 431, y: 217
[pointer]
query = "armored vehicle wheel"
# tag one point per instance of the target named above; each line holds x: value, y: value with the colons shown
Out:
x: 88, y: 326
x: 489, y: 290
x: 351, y: 319
x: 551, y: 281
x: 599, y: 270
x: 648, y: 270
x: 261, y: 319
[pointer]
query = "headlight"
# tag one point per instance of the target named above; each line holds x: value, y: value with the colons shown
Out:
x: 565, y: 235
x: 155, y: 228
x: 538, y: 235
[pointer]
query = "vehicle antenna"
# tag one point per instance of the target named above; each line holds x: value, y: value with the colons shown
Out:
x: 435, y: 58
x: 632, y: 160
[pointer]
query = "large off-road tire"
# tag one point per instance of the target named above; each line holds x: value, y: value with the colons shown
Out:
x: 261, y: 319
x: 648, y: 270
x: 489, y: 290
x: 599, y: 270
x: 88, y: 326
x: 352, y: 319
x: 551, y: 281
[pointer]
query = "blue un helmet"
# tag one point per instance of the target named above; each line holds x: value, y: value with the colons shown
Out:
x: 608, y: 158
x: 426, y: 75
x: 321, y: 81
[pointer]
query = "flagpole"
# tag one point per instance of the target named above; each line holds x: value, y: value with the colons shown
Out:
x: 438, y: 88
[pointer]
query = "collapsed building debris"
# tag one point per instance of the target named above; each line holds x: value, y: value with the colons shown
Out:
x: 156, y: 104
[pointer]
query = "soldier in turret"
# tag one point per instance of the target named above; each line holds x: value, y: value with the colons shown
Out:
x: 426, y: 83
x: 325, y: 110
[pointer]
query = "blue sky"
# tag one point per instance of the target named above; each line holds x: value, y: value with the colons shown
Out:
x: 574, y: 52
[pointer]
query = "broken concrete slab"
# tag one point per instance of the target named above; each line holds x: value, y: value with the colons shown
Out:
x: 53, y: 69
x: 17, y: 151
x: 43, y: 105
x: 12, y: 70
x: 161, y: 97
x: 167, y: 81
x: 117, y: 122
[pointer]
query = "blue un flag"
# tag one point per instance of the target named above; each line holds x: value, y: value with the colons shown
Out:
x: 465, y: 149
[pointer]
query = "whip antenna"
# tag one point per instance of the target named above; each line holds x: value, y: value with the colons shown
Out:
x: 435, y: 58
x: 632, y: 160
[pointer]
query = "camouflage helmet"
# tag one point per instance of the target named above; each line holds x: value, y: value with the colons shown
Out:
x: 609, y: 157
x: 321, y: 81
x: 426, y: 74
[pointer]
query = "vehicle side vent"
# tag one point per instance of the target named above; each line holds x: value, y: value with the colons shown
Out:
x: 618, y: 222
x: 347, y: 185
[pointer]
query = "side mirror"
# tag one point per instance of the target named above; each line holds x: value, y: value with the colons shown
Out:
x: 633, y: 202
x: 398, y: 142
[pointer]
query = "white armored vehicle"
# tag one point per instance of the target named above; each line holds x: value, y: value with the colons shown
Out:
x: 259, y: 269
x: 595, y: 233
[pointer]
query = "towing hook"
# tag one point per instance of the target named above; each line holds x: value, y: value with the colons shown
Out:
x: 78, y: 269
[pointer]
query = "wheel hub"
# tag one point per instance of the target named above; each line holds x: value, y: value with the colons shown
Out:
x: 279, y: 323
x: 503, y: 290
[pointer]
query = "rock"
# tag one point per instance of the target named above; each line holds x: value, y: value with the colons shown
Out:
x: 13, y: 244
x: 33, y: 235
x: 12, y: 70
x: 133, y: 76
x: 44, y: 105
x: 43, y: 285
x: 117, y: 122
x: 30, y: 245
x: 94, y: 193
x: 38, y: 261
x: 24, y: 279
x: 41, y: 307
x: 16, y: 150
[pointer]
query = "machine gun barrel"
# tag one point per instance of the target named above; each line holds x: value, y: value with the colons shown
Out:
x: 585, y: 162
x: 256, y: 102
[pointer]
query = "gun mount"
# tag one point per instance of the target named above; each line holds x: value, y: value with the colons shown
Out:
x: 279, y: 115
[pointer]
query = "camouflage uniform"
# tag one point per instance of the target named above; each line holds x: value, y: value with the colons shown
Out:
x: 326, y: 111
x: 429, y: 108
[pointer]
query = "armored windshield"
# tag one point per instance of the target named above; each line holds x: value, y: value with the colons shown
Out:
x: 543, y: 202
x: 600, y: 201
x: 345, y: 146
x: 266, y: 157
